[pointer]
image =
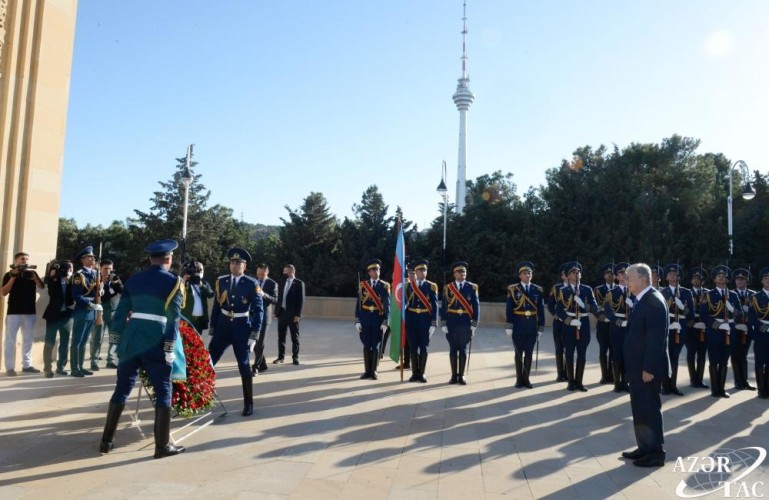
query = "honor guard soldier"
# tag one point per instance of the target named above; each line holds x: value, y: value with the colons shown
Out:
x: 525, y: 314
x: 758, y: 314
x: 144, y: 329
x: 696, y: 344
x: 84, y: 292
x: 421, y: 318
x: 742, y: 345
x: 605, y: 352
x: 372, y: 314
x: 459, y: 313
x: 617, y: 310
x: 575, y: 303
x: 552, y: 300
x: 718, y: 311
x: 680, y: 311
x: 236, y: 320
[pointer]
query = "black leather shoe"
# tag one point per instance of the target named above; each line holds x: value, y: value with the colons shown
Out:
x: 168, y: 450
x: 112, y: 365
x: 748, y: 387
x: 61, y: 371
x: 95, y: 367
x: 254, y: 371
x: 453, y: 379
x: 86, y: 372
x: 651, y: 460
x: 277, y: 360
x: 77, y: 373
x: 296, y: 361
x: 674, y: 390
x: 105, y: 446
x: 48, y: 374
x: 461, y: 380
x: 248, y: 410
x: 633, y: 455
x: 30, y: 369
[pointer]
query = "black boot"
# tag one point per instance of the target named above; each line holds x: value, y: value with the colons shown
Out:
x: 736, y: 371
x: 374, y: 363
x: 570, y: 375
x: 248, y: 395
x: 625, y: 385
x: 163, y: 434
x: 692, y: 374
x: 408, y: 359
x: 461, y: 369
x: 609, y: 368
x: 526, y: 372
x: 722, y: 372
x: 48, y: 359
x: 453, y: 360
x: 366, y: 364
x: 714, y: 381
x: 518, y: 372
x: 113, y: 417
x: 760, y: 383
x: 674, y: 381
x: 414, y: 367
x: 764, y: 376
x: 665, y: 387
x: 579, y: 374
x: 380, y: 354
x: 603, y: 359
x: 74, y: 354
x: 81, y: 360
x: 617, y: 377
x: 745, y: 384
x: 560, y: 367
x: 422, y: 360
x: 701, y: 375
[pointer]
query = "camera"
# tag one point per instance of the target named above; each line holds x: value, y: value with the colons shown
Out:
x: 26, y: 271
x: 190, y: 268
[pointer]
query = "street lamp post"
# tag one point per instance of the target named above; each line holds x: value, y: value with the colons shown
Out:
x: 747, y: 194
x: 186, y: 180
x: 444, y: 193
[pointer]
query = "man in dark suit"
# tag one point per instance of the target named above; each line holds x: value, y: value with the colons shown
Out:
x: 647, y: 364
x: 58, y: 316
x: 269, y: 299
x: 197, y: 293
x: 288, y: 310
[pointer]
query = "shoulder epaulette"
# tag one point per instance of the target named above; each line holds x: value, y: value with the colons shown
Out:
x: 433, y: 286
x: 538, y: 288
x: 222, y: 276
x: 386, y: 285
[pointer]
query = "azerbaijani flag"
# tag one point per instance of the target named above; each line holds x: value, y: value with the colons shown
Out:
x: 397, y: 300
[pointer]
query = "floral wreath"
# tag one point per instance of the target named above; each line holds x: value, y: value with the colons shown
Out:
x: 197, y: 393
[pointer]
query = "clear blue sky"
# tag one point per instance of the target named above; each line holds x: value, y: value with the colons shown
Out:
x: 287, y: 97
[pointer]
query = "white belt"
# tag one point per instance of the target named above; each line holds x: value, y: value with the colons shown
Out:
x: 764, y: 321
x: 721, y: 320
x: 233, y: 315
x: 619, y: 315
x: 150, y: 317
x: 574, y: 315
x: 672, y: 315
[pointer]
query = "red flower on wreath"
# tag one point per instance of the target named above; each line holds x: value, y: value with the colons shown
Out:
x: 196, y: 394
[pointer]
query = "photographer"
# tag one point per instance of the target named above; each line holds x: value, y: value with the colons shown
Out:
x: 112, y: 287
x: 198, y: 291
x: 19, y: 284
x: 58, y: 315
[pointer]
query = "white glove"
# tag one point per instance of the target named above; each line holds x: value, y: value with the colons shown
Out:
x: 575, y: 322
x: 251, y: 344
x: 472, y: 331
x: 260, y: 293
x: 358, y: 327
x: 729, y: 306
x: 741, y: 327
x: 431, y: 331
x: 629, y: 302
x: 95, y: 307
x: 675, y: 325
x: 539, y: 331
x: 170, y: 357
x: 680, y: 304
x: 509, y: 332
x: 384, y: 328
x: 725, y: 326
x: 579, y: 301
x: 745, y: 309
x: 445, y: 329
x: 624, y: 324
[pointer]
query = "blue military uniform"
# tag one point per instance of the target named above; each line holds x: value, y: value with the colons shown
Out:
x: 525, y: 316
x: 696, y: 344
x: 576, y: 337
x: 679, y: 318
x: 144, y: 330
x: 719, y: 309
x: 372, y: 315
x: 421, y: 320
x: 741, y: 347
x: 616, y: 309
x: 460, y: 314
x: 236, y: 320
x: 84, y: 292
x: 552, y: 300
x: 758, y: 314
x: 603, y: 328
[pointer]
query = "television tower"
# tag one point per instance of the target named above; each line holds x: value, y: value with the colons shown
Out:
x: 463, y: 98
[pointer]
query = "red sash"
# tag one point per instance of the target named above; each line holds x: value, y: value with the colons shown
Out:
x: 374, y: 296
x: 462, y: 300
x: 421, y: 296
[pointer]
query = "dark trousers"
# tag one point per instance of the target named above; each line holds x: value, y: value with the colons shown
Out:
x: 225, y: 338
x: 154, y: 363
x: 571, y: 343
x: 740, y: 359
x: 602, y: 335
x: 695, y: 351
x: 718, y: 351
x: 674, y: 352
x: 286, y: 322
x: 52, y: 328
x: 646, y: 406
x: 259, y: 362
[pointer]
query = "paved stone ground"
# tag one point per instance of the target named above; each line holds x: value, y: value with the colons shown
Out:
x: 320, y: 432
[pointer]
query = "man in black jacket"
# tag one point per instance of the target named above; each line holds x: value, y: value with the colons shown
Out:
x: 288, y: 310
x: 58, y: 316
x: 197, y: 293
x: 269, y: 299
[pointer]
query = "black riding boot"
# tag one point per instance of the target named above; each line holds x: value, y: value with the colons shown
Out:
x: 692, y: 374
x: 723, y: 370
x: 414, y: 367
x: 518, y: 372
x: 366, y: 365
x: 570, y: 374
x: 604, y: 361
x: 461, y: 369
x: 674, y: 381
x: 527, y: 372
x: 714, y: 381
x: 617, y: 376
x: 453, y: 360
x: 422, y: 360
x: 579, y: 375
x: 113, y: 417
x: 701, y: 375
x: 374, y: 363
x: 560, y: 367
x: 163, y: 434
x: 248, y: 395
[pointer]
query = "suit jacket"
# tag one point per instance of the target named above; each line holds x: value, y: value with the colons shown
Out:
x: 269, y: 299
x: 294, y: 299
x: 205, y: 291
x: 646, y: 342
x: 59, y: 293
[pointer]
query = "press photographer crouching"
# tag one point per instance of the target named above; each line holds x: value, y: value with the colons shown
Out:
x: 198, y: 291
x: 19, y: 285
x: 58, y: 315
